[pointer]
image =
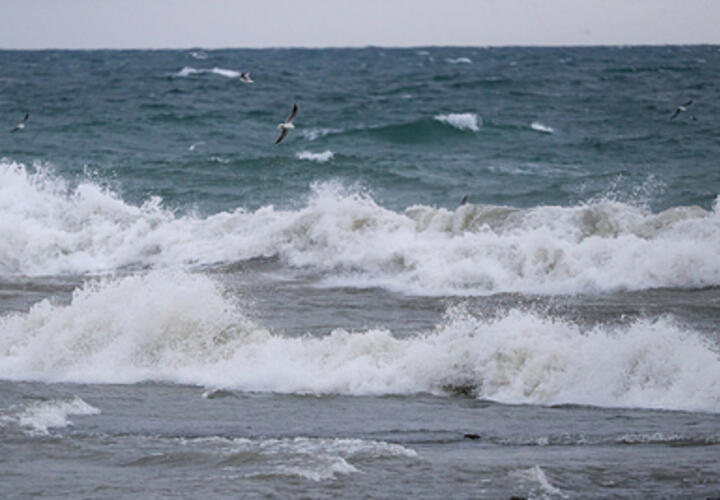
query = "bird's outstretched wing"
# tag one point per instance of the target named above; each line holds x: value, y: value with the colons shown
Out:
x: 21, y: 125
x: 464, y: 200
x: 677, y: 112
x: 282, y: 136
x: 293, y: 114
x: 687, y: 103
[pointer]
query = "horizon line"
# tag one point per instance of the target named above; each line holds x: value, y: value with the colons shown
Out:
x: 372, y: 46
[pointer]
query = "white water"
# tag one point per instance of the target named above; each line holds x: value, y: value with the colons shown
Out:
x: 462, y: 121
x: 459, y: 60
x: 323, y: 157
x: 178, y: 327
x: 52, y: 228
x: 316, y: 459
x: 542, y: 128
x: 38, y: 418
x: 227, y: 73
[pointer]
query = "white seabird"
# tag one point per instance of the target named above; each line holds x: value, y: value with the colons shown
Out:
x: 680, y: 109
x: 287, y: 125
x: 21, y: 125
x: 245, y: 77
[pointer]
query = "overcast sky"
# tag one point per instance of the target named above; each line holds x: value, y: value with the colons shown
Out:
x: 351, y: 23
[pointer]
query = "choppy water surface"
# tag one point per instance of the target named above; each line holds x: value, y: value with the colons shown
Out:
x: 187, y: 309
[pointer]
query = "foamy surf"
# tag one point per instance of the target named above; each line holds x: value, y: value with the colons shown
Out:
x: 459, y: 60
x: 37, y: 418
x: 352, y: 241
x: 322, y: 157
x: 537, y: 481
x: 461, y: 121
x: 314, y: 459
x: 182, y: 328
x: 542, y: 128
x: 189, y: 71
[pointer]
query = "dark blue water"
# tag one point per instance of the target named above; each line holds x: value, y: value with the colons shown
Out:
x: 188, y: 309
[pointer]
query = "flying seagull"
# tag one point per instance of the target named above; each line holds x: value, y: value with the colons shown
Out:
x: 680, y: 109
x: 287, y: 125
x: 21, y: 125
x: 245, y: 77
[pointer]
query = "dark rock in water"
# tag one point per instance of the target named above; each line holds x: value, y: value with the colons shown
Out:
x: 460, y: 389
x: 518, y: 498
x: 471, y: 436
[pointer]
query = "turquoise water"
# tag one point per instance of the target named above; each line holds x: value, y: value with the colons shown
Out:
x: 131, y: 117
x: 188, y: 309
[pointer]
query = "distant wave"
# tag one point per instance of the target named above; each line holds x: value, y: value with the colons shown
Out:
x: 314, y: 133
x: 188, y: 71
x: 184, y: 329
x: 542, y: 128
x: 199, y: 54
x: 459, y: 60
x: 603, y: 245
x: 462, y: 121
x: 323, y: 157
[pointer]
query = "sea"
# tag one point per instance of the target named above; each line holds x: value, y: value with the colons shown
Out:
x: 188, y: 310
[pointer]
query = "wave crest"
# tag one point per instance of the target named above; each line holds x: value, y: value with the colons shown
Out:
x: 472, y: 250
x: 462, y: 121
x: 181, y: 328
x: 189, y: 71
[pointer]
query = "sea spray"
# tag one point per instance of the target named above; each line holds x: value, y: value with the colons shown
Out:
x: 182, y: 328
x: 346, y: 236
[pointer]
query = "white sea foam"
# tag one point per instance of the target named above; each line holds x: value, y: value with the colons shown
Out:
x: 538, y: 480
x: 313, y: 133
x: 462, y: 121
x: 179, y: 327
x: 323, y: 157
x: 38, y: 417
x: 542, y: 128
x: 459, y: 60
x: 316, y: 459
x: 227, y: 73
x: 51, y: 228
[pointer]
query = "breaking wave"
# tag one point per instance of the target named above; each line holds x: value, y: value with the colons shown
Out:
x: 188, y: 71
x: 459, y: 60
x: 462, y: 121
x: 542, y: 128
x: 323, y: 157
x: 350, y: 240
x: 179, y: 327
x: 37, y: 418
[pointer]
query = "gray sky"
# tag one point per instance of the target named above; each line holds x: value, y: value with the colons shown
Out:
x: 351, y: 23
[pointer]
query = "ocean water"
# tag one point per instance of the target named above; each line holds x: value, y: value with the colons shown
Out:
x: 187, y: 309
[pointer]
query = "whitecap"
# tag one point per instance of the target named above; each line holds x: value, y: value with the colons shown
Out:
x: 478, y: 249
x: 38, y: 418
x: 462, y: 121
x: 314, y: 133
x: 542, y: 128
x: 323, y: 157
x: 188, y: 71
x: 536, y: 478
x: 459, y: 60
x: 183, y: 328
